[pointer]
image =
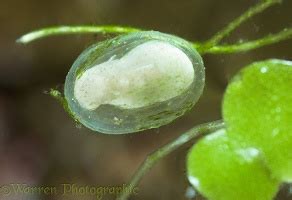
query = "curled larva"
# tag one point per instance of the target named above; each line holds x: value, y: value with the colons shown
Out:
x: 134, y: 82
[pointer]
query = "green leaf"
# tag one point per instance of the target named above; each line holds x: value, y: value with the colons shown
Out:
x: 257, y: 109
x: 221, y: 170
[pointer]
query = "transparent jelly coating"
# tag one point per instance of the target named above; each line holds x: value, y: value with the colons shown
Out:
x: 134, y: 82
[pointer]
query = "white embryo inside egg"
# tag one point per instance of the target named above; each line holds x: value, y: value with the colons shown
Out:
x: 152, y: 72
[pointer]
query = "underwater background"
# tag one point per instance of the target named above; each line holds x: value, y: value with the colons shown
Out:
x: 41, y: 145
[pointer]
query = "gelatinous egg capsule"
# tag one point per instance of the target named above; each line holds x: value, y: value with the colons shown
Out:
x: 134, y: 82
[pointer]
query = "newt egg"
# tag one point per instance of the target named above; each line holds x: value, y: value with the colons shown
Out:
x: 134, y: 82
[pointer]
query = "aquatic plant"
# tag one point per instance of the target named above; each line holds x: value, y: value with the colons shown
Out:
x: 146, y: 79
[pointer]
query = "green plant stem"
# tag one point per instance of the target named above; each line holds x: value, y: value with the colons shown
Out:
x: 168, y: 148
x: 250, y: 45
x: 61, y: 99
x: 201, y: 47
x: 66, y: 30
x: 218, y: 49
x: 238, y: 21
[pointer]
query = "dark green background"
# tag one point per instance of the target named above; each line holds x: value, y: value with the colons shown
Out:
x: 40, y: 144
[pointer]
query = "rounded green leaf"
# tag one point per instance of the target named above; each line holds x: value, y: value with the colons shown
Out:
x: 221, y: 170
x: 257, y: 108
